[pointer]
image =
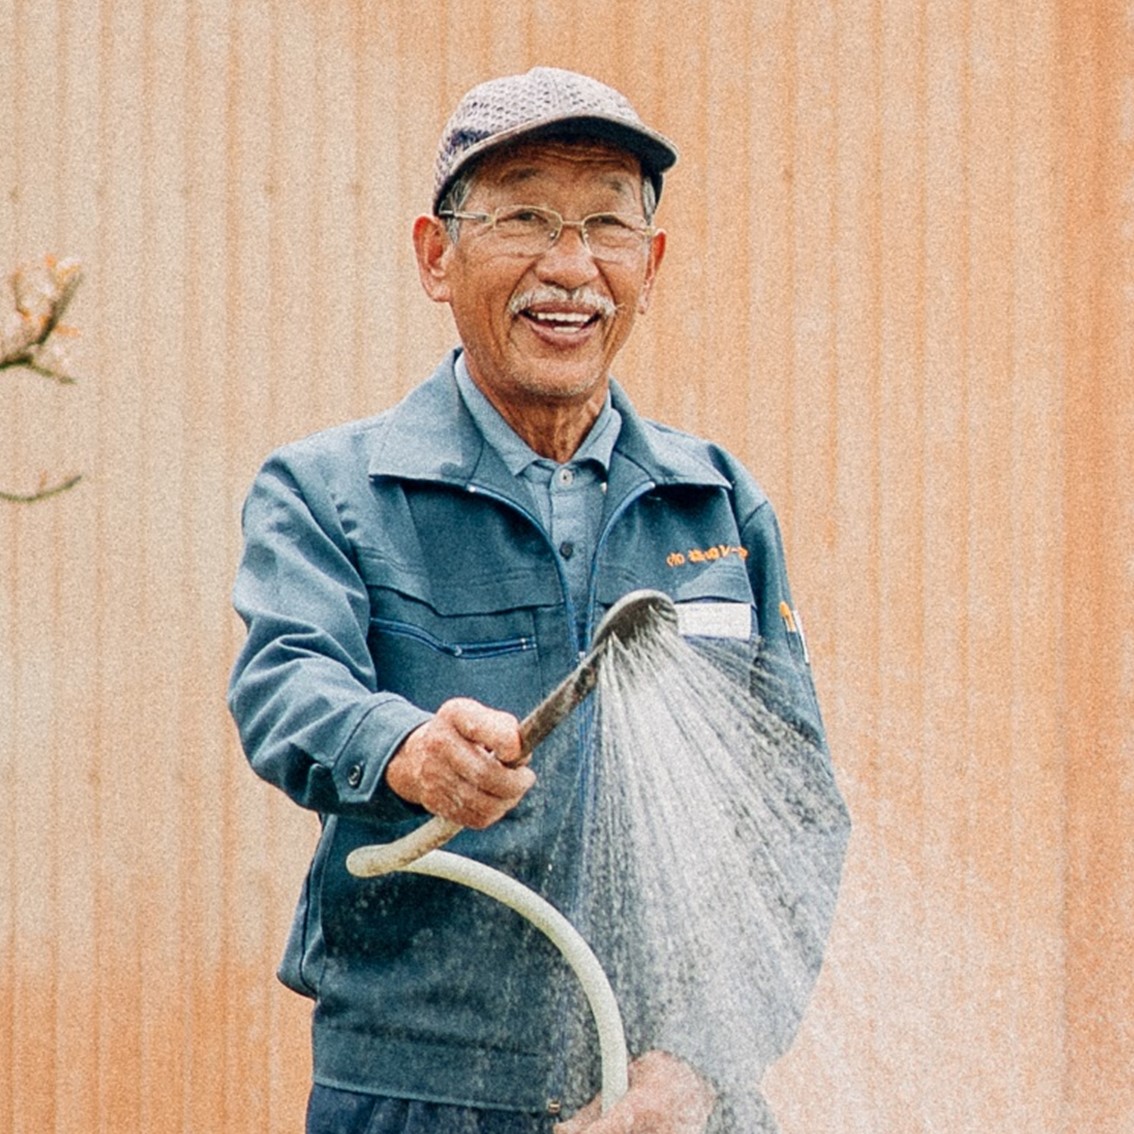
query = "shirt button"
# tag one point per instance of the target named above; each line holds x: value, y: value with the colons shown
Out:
x: 565, y: 477
x: 566, y: 549
x: 354, y: 776
x: 554, y: 1106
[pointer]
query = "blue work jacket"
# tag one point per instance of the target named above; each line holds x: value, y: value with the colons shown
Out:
x: 391, y: 564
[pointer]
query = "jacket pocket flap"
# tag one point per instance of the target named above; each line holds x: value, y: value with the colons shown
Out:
x: 465, y: 592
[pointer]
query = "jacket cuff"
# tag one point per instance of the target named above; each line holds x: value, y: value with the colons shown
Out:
x: 360, y: 770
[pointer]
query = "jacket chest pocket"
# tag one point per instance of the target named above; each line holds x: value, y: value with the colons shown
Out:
x: 432, y: 638
x: 473, y: 649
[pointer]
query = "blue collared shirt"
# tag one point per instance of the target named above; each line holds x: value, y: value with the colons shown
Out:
x: 568, y: 498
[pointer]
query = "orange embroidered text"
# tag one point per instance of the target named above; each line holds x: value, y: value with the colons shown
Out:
x: 705, y: 555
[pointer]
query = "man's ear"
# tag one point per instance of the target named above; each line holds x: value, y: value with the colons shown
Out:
x: 657, y: 252
x: 432, y: 246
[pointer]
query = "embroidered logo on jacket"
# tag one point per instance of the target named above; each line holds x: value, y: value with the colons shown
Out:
x: 704, y: 555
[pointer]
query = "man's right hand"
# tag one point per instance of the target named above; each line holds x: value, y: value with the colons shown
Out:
x: 461, y: 764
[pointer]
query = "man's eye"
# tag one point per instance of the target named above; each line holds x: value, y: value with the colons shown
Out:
x: 607, y: 221
x: 522, y: 216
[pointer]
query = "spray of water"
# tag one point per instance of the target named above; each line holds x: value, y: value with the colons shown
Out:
x: 713, y: 849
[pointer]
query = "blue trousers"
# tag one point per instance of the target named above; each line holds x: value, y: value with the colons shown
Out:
x: 334, y: 1111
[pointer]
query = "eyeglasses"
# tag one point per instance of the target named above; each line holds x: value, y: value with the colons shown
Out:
x: 527, y: 230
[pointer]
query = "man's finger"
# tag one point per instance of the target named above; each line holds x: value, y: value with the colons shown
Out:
x: 618, y: 1120
x: 492, y: 729
x: 483, y: 773
x: 581, y: 1120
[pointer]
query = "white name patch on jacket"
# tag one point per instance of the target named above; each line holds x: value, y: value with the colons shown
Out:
x: 714, y: 619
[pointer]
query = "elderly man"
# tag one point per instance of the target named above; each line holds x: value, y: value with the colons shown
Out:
x: 414, y: 583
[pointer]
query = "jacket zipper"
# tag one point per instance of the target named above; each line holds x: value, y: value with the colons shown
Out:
x: 630, y: 498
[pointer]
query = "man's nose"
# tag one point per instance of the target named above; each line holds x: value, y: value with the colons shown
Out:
x: 568, y: 261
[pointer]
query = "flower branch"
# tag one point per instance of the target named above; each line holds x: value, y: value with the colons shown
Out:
x: 33, y: 299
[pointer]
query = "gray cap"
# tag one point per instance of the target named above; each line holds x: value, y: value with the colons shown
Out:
x: 546, y: 100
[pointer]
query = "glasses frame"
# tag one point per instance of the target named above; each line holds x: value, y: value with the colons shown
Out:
x: 644, y: 230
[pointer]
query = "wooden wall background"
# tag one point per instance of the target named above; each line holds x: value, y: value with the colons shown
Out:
x: 899, y: 284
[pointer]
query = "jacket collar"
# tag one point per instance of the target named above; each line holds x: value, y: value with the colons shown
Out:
x: 430, y: 435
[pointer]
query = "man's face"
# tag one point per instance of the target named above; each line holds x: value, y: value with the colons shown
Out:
x: 543, y: 328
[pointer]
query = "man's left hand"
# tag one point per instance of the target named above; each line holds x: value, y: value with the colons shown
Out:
x: 666, y: 1096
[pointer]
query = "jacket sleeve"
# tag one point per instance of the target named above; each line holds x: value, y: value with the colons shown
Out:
x: 303, y: 689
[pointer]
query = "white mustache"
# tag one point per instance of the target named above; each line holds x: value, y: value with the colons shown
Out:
x: 577, y: 297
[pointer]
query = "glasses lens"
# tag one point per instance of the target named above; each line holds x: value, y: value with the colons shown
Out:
x: 524, y: 231
x: 613, y: 237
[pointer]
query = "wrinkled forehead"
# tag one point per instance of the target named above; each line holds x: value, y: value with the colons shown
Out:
x: 533, y: 165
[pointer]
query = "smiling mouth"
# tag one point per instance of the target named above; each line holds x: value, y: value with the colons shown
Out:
x: 559, y: 320
x: 558, y: 313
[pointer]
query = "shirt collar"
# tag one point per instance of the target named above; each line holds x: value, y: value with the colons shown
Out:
x: 514, y: 451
